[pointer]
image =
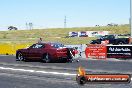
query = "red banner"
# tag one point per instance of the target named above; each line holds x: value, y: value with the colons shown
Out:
x: 96, y: 51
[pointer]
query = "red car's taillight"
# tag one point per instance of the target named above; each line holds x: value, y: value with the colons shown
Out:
x: 61, y: 50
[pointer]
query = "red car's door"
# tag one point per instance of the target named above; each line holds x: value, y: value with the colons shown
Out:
x: 35, y: 51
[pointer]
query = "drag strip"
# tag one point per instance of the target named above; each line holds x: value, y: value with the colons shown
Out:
x: 29, y: 78
x: 15, y: 74
x: 113, y: 66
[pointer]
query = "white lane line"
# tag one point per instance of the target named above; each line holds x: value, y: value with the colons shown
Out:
x: 35, y: 71
x: 3, y: 68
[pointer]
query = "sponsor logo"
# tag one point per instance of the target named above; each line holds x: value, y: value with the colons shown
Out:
x: 83, y: 78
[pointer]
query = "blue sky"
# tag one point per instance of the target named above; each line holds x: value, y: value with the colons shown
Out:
x: 51, y: 13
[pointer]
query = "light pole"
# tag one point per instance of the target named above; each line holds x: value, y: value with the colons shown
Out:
x: 26, y: 26
x: 65, y: 22
x: 131, y: 17
x: 31, y: 25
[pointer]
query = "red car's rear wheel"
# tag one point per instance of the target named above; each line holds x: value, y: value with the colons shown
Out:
x: 46, y: 58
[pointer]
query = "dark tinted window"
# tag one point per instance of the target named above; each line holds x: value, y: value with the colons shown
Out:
x: 37, y: 46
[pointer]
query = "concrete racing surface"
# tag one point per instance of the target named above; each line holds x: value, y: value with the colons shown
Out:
x: 14, y: 74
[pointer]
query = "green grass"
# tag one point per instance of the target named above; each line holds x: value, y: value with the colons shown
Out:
x: 56, y: 34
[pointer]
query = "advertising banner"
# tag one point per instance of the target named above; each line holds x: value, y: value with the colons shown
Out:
x: 97, y: 33
x: 96, y: 51
x: 82, y: 34
x: 85, y: 78
x: 73, y: 34
x: 119, y: 51
x: 88, y: 33
x: 108, y: 51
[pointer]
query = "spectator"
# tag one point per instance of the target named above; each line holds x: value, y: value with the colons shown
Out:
x: 80, y: 49
x: 40, y: 40
x: 76, y: 52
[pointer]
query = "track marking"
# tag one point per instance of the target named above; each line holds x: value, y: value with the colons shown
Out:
x: 35, y: 71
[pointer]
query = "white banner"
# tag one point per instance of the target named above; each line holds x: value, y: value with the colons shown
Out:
x: 88, y: 33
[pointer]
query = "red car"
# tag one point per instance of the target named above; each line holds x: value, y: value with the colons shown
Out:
x: 46, y: 52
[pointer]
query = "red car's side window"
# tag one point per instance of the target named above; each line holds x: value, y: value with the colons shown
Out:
x: 32, y: 46
x: 37, y: 46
